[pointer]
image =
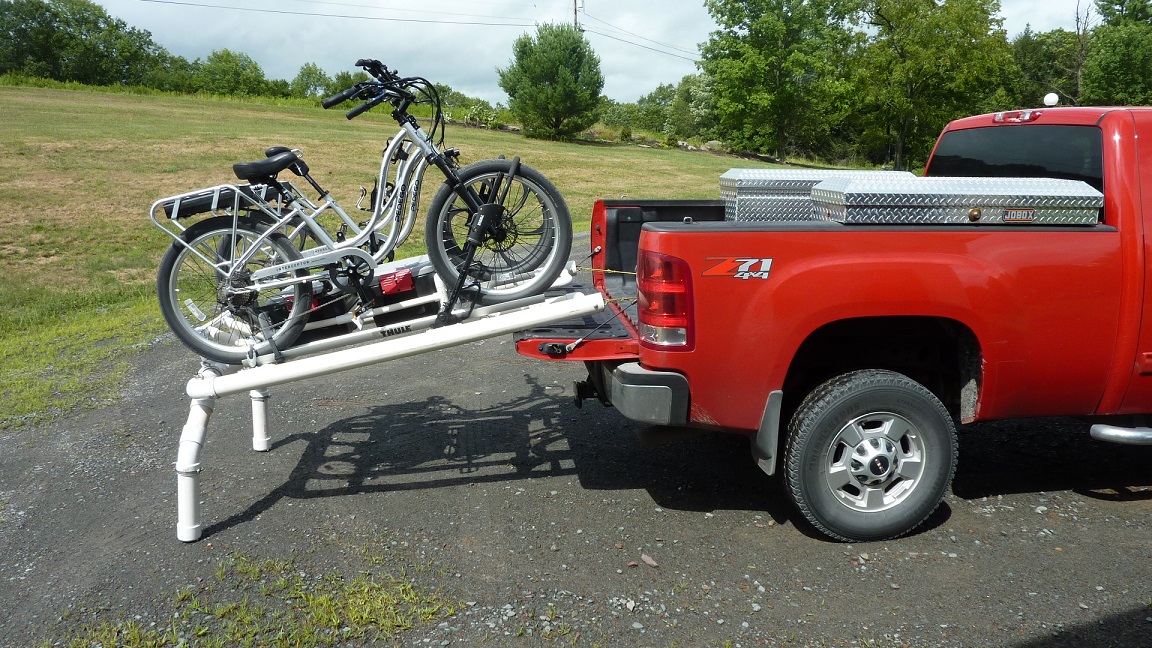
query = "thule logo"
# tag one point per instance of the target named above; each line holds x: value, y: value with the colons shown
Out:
x: 407, y: 328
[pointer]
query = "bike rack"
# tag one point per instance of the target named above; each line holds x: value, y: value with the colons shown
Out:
x: 333, y: 355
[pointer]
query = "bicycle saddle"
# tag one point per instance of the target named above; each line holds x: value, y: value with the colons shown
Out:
x: 261, y: 171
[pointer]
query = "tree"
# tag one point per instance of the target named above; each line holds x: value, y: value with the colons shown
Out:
x: 30, y: 38
x: 344, y: 80
x: 229, y: 73
x: 553, y: 82
x: 692, y: 111
x: 617, y: 114
x: 172, y: 74
x: 1048, y: 62
x: 310, y: 81
x: 279, y: 88
x: 652, y: 108
x: 927, y: 63
x: 1116, y: 12
x: 73, y: 40
x: 777, y: 68
x: 1118, y: 70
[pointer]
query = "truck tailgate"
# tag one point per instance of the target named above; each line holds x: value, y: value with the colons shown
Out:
x: 607, y: 335
x: 614, y: 243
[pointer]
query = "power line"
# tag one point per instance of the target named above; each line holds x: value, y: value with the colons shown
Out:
x: 673, y: 47
x: 418, y: 11
x: 653, y: 49
x: 358, y: 17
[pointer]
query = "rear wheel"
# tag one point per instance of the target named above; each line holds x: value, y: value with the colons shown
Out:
x: 210, y: 307
x: 869, y: 455
x: 528, y: 246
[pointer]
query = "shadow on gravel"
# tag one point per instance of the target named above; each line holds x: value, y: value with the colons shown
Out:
x: 1131, y: 629
x: 1035, y: 455
x: 437, y: 443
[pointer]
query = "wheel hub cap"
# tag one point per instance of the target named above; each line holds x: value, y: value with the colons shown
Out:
x: 873, y: 460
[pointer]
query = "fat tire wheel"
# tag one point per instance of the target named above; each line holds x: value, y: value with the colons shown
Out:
x: 189, y: 291
x: 869, y: 456
x: 535, y: 233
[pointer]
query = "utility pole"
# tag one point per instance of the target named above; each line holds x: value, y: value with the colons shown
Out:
x: 576, y: 14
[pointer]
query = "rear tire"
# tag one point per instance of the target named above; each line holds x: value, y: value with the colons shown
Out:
x: 869, y: 456
x: 532, y: 239
x: 220, y: 325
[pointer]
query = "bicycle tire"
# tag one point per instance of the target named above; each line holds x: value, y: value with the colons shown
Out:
x: 216, y: 325
x: 531, y: 243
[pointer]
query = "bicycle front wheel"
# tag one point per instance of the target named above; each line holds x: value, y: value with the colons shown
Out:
x: 209, y: 303
x: 523, y: 253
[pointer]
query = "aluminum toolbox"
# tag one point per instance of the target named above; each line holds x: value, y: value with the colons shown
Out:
x: 779, y: 194
x: 913, y: 200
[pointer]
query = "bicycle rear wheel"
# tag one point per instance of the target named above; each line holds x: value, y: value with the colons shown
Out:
x: 527, y: 248
x: 206, y: 304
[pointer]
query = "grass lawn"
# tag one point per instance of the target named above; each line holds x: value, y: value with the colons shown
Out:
x: 79, y: 254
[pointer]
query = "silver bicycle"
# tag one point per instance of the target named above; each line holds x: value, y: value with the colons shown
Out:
x: 241, y: 282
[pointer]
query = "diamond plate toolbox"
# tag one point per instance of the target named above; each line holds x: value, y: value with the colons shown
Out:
x: 914, y: 200
x: 780, y: 194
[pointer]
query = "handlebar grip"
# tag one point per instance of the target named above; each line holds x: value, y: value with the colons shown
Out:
x: 364, y: 107
x: 338, y: 99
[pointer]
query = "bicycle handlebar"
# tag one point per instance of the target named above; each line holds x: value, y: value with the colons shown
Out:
x: 378, y: 70
x: 338, y: 99
x: 391, y: 87
x: 366, y: 106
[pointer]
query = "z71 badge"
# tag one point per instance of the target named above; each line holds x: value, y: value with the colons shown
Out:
x: 738, y: 268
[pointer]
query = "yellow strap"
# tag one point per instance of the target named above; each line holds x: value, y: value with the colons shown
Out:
x: 605, y: 271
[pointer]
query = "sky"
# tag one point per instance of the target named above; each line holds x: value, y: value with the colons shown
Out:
x: 461, y: 43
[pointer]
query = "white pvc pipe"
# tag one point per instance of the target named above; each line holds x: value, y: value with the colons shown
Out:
x: 218, y: 380
x: 398, y: 329
x: 188, y: 525
x: 574, y: 305
x: 261, y: 440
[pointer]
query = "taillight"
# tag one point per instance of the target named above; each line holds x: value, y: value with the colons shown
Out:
x: 665, y: 302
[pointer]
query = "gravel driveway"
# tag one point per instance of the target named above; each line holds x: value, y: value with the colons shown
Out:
x: 471, y: 475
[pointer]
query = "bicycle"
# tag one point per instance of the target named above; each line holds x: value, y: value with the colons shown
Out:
x: 240, y: 284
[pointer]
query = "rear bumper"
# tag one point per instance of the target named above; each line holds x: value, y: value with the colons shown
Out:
x: 647, y: 396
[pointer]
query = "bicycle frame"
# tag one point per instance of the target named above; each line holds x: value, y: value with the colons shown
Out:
x: 397, y: 211
x: 399, y: 167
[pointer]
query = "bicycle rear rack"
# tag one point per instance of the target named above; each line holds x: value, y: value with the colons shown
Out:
x: 342, y: 353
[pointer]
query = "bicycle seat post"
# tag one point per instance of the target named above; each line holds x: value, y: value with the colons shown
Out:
x: 315, y: 185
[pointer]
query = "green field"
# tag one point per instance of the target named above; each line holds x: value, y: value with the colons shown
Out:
x: 80, y: 169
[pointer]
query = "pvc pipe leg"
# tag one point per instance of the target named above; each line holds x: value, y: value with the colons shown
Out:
x: 261, y: 440
x: 188, y: 524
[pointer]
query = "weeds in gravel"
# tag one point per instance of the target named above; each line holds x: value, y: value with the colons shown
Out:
x: 273, y: 603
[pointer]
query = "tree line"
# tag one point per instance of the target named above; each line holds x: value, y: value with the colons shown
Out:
x: 78, y: 41
x: 874, y: 81
x: 847, y: 81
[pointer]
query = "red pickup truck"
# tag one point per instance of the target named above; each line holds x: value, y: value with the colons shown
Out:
x: 847, y: 351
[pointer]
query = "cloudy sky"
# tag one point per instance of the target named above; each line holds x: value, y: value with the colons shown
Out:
x: 641, y: 43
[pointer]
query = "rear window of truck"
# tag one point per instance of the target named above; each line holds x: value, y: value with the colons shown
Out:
x: 1025, y: 151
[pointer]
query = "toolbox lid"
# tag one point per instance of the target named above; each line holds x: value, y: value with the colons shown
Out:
x: 1047, y: 201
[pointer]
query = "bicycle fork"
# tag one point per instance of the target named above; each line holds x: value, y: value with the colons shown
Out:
x: 487, y: 215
